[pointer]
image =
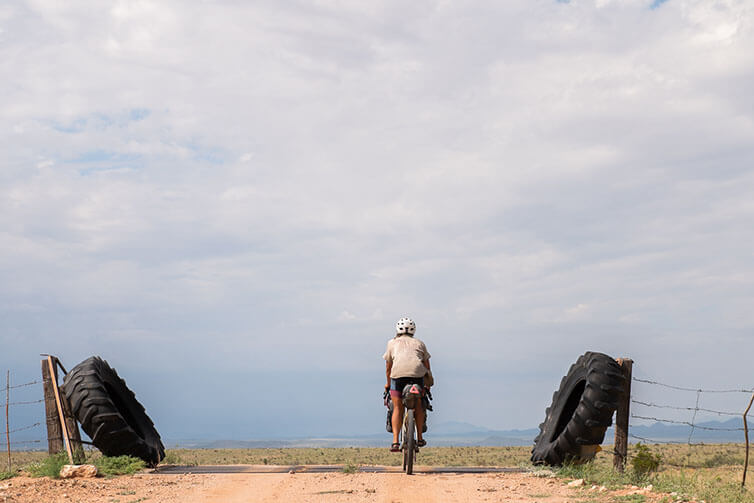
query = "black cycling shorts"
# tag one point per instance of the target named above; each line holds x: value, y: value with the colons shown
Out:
x: 397, y: 385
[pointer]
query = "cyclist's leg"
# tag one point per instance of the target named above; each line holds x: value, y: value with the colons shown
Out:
x: 397, y: 416
x: 419, y: 416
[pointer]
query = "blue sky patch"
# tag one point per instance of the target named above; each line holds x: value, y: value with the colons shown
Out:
x: 213, y: 155
x: 72, y: 127
x: 657, y: 3
x: 101, y: 121
x: 137, y: 114
x: 95, y: 156
x: 99, y: 160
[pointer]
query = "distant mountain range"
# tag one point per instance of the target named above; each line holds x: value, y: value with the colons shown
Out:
x: 465, y: 434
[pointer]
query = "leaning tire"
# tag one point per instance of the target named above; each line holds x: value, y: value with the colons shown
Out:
x: 581, y: 411
x: 109, y: 412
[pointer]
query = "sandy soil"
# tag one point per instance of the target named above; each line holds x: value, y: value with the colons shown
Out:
x: 304, y: 487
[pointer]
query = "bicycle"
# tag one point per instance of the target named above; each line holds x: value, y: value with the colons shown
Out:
x: 411, y: 395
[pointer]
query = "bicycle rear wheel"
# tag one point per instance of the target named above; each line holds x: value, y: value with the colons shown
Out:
x: 409, y: 452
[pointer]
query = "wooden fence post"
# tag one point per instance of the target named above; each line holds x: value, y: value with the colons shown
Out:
x: 54, y: 431
x: 621, y: 417
x: 62, y: 428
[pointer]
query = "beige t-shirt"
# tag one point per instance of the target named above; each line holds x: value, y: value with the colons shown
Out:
x: 407, y: 355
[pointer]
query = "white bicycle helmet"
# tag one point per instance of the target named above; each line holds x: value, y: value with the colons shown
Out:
x: 405, y: 326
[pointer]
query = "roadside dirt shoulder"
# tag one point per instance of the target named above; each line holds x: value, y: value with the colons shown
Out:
x: 303, y: 487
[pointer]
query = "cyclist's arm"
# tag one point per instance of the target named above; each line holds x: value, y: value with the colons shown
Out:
x: 388, y: 368
x: 426, y: 363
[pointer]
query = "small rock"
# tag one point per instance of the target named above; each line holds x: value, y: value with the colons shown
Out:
x: 292, y: 472
x: 576, y: 483
x: 602, y: 489
x: 649, y: 487
x: 84, y: 471
x: 674, y: 493
x: 593, y: 488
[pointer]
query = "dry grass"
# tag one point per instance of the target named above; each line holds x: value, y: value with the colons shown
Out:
x: 433, y: 456
x: 680, y: 456
x: 711, y: 472
x: 673, y: 456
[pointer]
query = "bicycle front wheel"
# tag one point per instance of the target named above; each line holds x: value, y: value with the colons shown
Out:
x: 409, y: 452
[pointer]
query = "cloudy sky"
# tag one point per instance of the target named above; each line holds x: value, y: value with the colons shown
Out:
x: 233, y: 202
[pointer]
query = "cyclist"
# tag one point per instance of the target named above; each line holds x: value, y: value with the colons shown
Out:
x: 406, y: 362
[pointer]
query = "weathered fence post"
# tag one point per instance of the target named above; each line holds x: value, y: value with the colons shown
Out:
x: 621, y: 417
x: 62, y: 428
x: 54, y: 431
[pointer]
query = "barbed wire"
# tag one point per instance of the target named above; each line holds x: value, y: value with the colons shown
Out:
x: 673, y: 421
x: 695, y: 409
x: 695, y: 390
x: 86, y: 442
x: 26, y: 403
x: 16, y: 386
x: 25, y: 442
x: 654, y: 441
x: 2, y: 433
x: 673, y: 407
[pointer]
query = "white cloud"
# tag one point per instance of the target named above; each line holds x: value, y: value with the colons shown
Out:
x: 542, y: 178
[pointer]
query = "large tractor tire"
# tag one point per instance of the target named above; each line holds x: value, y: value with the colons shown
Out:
x: 109, y: 412
x: 581, y: 411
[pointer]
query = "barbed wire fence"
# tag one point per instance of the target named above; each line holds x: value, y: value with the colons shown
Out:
x: 645, y: 408
x: 6, y: 435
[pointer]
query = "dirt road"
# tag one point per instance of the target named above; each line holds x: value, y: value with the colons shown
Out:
x: 303, y: 487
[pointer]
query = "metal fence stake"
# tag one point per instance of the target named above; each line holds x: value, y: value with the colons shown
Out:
x: 746, y: 435
x: 7, y: 424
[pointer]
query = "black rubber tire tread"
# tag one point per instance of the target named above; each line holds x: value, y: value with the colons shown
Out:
x: 109, y: 412
x: 581, y: 411
x: 410, y: 451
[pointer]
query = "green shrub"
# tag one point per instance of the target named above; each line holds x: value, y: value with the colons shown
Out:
x: 118, y: 465
x: 721, y: 459
x: 172, y: 458
x: 6, y: 475
x: 49, y: 467
x: 644, y: 461
x: 594, y: 474
x: 630, y: 498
